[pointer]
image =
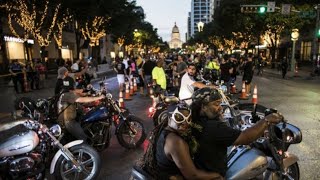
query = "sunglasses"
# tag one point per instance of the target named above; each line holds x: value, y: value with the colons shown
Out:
x: 179, y: 118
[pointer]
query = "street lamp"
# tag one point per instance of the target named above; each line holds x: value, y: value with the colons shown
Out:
x: 200, y: 26
x: 294, y: 38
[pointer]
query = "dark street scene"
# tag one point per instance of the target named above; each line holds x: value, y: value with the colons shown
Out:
x: 146, y: 89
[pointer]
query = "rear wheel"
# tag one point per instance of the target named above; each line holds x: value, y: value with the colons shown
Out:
x: 86, y: 156
x: 131, y: 133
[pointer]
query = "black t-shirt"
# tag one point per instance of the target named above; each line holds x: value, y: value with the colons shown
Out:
x: 120, y: 68
x: 248, y: 70
x: 214, y: 140
x: 148, y: 67
x: 225, y: 74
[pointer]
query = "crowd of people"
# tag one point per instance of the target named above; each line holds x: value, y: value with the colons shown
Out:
x: 180, y: 73
x: 28, y: 76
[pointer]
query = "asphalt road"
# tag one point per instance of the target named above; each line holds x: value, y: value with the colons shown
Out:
x: 298, y: 99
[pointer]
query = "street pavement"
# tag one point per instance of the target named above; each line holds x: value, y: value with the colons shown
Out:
x: 296, y: 97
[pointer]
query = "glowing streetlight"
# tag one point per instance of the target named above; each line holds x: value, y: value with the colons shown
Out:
x: 294, y: 38
x: 200, y: 26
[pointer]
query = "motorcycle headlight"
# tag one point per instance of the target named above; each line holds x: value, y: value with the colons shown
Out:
x: 224, y: 89
x: 55, y: 130
x: 109, y: 96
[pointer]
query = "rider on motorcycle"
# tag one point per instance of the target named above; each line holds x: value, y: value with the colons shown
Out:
x: 168, y: 155
x: 188, y: 84
x: 67, y: 109
x: 215, y: 135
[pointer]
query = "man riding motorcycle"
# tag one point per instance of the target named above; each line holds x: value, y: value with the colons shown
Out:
x: 67, y: 109
x: 215, y: 136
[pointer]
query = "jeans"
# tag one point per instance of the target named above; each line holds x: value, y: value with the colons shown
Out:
x: 75, y: 130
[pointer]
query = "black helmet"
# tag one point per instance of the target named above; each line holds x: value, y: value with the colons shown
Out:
x: 205, y: 95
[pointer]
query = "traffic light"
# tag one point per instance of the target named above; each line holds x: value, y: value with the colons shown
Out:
x: 261, y: 9
x: 318, y: 33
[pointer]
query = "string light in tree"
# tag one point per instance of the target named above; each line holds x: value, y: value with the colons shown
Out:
x: 95, y: 30
x: 121, y: 41
x: 58, y: 33
x: 31, y: 19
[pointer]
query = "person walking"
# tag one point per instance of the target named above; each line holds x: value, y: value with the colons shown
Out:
x: 284, y: 67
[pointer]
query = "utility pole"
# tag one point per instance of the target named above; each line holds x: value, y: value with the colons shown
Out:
x: 316, y: 36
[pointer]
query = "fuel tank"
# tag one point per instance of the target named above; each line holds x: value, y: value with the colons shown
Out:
x: 96, y: 114
x: 245, y: 163
x: 19, y: 143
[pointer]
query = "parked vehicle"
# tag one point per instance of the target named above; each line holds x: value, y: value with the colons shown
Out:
x: 27, y: 147
x: 96, y: 121
x: 266, y: 158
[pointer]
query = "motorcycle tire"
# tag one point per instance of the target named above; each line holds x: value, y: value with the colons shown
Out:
x: 293, y: 171
x: 125, y: 134
x: 89, y: 157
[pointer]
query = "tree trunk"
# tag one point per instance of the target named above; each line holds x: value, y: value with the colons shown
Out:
x: 78, y: 38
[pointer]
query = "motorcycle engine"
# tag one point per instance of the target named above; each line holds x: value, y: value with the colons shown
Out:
x: 21, y: 164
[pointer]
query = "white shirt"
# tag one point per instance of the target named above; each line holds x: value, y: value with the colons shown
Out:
x: 186, y: 88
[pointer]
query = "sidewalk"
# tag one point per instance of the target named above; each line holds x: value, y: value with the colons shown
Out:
x: 8, y: 95
x: 304, y: 73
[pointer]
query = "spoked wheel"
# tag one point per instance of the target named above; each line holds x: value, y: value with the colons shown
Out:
x: 86, y: 156
x: 131, y: 133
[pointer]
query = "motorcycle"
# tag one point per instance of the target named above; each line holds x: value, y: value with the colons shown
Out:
x: 96, y: 122
x: 266, y: 158
x: 27, y: 146
x: 160, y: 103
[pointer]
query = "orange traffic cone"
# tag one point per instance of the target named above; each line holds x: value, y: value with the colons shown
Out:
x: 255, y: 95
x: 135, y: 87
x: 121, y: 102
x: 127, y: 94
x: 131, y: 89
x: 243, y: 92
x: 233, y: 89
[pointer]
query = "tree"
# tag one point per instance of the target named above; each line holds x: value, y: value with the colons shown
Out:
x: 36, y: 19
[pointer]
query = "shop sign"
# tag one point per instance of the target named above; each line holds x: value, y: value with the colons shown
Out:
x: 14, y: 39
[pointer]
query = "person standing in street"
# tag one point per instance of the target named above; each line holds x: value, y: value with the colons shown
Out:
x: 120, y: 69
x: 284, y: 67
x: 248, y: 68
x: 159, y: 76
x: 15, y: 69
x: 181, y: 69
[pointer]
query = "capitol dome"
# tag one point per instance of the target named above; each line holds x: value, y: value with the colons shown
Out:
x: 175, y: 38
x: 175, y: 29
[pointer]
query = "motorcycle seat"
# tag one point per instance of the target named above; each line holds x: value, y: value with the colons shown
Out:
x: 9, y: 133
x: 171, y: 99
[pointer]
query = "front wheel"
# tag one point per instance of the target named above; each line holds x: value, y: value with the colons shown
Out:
x: 131, y: 133
x: 293, y: 171
x: 89, y: 160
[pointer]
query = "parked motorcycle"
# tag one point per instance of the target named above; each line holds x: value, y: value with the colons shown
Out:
x: 266, y: 158
x: 27, y: 146
x: 96, y: 122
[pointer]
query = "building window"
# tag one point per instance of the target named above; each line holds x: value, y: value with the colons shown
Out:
x: 305, y: 51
